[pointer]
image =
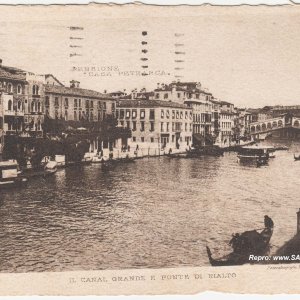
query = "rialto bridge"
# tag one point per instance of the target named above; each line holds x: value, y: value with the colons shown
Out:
x: 284, y: 127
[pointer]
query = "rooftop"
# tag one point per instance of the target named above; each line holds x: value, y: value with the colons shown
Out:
x: 55, y: 89
x: 11, y: 73
x: 150, y: 103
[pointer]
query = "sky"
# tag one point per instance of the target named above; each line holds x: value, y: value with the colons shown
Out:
x: 249, y: 56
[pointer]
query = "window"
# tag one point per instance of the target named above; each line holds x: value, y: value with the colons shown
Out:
x: 56, y: 101
x: 134, y: 113
x: 47, y: 102
x: 152, y: 140
x: 91, y: 116
x: 181, y: 114
x: 87, y: 104
x: 151, y: 126
x: 99, y: 106
x: 122, y: 114
x: 178, y: 95
x: 177, y: 114
x: 9, y: 105
x: 127, y: 113
x: 104, y: 105
x: 19, y: 89
x: 32, y: 106
x: 75, y: 115
x: 39, y: 107
x: 166, y: 96
x: 162, y: 127
x: 92, y: 104
x: 168, y: 114
x: 66, y: 102
x: 167, y: 127
x: 142, y: 126
x: 186, y: 114
x: 134, y: 139
x: 142, y: 114
x: 66, y: 115
x: 186, y: 127
x: 9, y: 88
x: 128, y: 124
x: 19, y: 105
x: 162, y: 114
x: 117, y: 114
x: 152, y: 114
x: 35, y: 89
x: 173, y: 114
x: 134, y: 126
x: 75, y: 103
x: 79, y: 102
x: 142, y: 139
x: 157, y: 96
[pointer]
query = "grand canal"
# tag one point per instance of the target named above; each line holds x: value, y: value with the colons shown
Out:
x: 153, y: 213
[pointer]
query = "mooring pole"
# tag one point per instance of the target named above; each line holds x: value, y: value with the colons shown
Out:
x: 298, y: 221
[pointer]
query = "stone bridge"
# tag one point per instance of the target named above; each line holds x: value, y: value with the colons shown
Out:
x: 266, y: 127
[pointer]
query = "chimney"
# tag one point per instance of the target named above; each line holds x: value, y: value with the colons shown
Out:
x: 72, y: 83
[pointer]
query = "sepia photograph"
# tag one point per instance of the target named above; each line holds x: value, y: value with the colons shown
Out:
x: 147, y: 137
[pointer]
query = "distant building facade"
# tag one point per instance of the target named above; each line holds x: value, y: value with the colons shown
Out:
x: 156, y: 123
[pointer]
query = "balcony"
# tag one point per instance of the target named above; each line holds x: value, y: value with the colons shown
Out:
x: 13, y: 113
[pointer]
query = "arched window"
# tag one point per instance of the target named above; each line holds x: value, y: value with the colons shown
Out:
x: 19, y: 105
x: 258, y: 127
x: 39, y: 106
x: 280, y: 124
x: 9, y: 105
x: 32, y: 107
x: 19, y: 89
x: 269, y: 126
x: 263, y: 126
x: 296, y: 123
x: 274, y: 124
x: 252, y: 128
x: 9, y: 88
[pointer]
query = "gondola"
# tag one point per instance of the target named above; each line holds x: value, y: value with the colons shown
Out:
x: 248, y: 243
x: 296, y: 157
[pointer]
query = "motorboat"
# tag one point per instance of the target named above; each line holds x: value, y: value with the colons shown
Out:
x: 10, y: 176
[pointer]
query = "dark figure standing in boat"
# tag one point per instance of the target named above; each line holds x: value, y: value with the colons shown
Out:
x: 245, y: 244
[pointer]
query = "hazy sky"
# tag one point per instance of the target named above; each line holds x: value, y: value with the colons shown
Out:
x: 246, y: 55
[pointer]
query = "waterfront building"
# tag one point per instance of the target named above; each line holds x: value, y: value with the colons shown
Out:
x: 35, y: 106
x: 227, y: 119
x: 13, y: 99
x: 156, y: 124
x: 76, y: 104
x: 194, y: 96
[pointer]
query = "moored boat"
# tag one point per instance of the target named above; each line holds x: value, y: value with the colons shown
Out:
x: 48, y: 169
x: 9, y: 174
x: 258, y: 155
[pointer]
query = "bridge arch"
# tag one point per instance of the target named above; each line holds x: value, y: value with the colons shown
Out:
x: 258, y: 128
x: 269, y: 125
x: 280, y: 123
x: 296, y: 123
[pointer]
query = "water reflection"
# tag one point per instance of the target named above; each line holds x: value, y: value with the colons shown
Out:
x: 156, y: 212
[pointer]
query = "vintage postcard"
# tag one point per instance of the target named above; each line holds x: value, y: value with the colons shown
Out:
x: 149, y: 149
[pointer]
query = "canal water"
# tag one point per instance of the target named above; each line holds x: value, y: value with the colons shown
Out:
x: 153, y: 213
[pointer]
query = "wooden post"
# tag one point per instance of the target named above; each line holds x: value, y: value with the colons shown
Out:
x: 298, y: 221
